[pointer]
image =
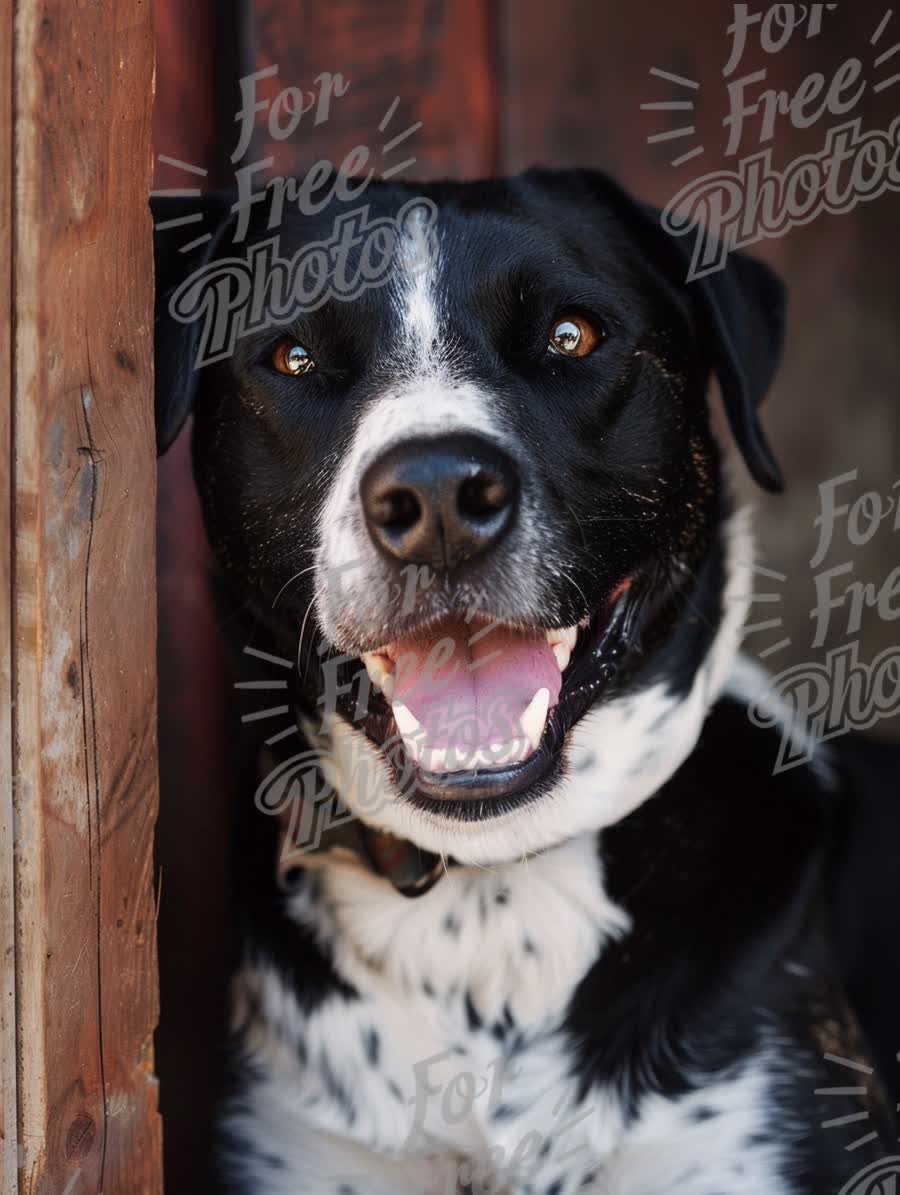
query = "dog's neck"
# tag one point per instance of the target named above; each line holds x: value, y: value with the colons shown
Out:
x: 514, y: 938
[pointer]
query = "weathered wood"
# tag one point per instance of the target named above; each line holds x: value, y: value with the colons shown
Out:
x: 84, y: 742
x: 8, y: 1131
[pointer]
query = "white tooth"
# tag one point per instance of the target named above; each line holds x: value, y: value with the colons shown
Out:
x: 413, y: 751
x: 407, y: 722
x: 464, y: 758
x: 410, y: 728
x: 534, y: 719
x: 520, y: 751
x: 458, y: 758
x: 497, y: 755
x: 563, y: 655
x: 564, y: 635
x: 434, y: 760
x: 514, y: 751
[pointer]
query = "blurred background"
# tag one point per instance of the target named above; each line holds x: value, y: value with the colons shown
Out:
x: 498, y: 87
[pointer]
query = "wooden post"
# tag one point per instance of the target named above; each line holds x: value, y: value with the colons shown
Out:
x: 79, y: 455
x: 8, y: 1132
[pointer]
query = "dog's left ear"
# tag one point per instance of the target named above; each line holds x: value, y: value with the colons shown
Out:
x: 187, y: 234
x: 742, y: 312
x: 739, y: 312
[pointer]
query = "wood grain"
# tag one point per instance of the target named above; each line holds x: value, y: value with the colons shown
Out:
x: 84, y: 578
x: 8, y: 1132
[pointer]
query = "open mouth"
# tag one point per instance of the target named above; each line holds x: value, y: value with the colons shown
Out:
x: 477, y: 710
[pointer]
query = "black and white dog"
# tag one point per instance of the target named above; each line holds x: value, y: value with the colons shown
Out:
x: 564, y: 928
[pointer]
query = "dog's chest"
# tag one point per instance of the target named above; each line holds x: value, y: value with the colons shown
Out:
x: 453, y: 1049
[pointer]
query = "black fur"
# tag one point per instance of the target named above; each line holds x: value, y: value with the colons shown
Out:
x: 758, y: 901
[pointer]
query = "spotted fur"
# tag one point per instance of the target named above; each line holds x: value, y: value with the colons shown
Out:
x: 628, y: 978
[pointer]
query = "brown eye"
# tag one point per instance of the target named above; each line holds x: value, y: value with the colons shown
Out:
x: 573, y: 336
x: 292, y: 358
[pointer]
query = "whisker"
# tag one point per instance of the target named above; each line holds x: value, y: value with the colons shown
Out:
x: 290, y: 581
x: 575, y: 585
x: 300, y: 640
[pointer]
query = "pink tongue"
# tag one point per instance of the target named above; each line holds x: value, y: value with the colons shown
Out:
x: 468, y: 683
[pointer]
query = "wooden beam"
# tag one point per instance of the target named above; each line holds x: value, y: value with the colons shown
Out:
x: 83, y: 485
x: 9, y: 1141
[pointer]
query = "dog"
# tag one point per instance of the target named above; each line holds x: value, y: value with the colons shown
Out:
x: 525, y: 905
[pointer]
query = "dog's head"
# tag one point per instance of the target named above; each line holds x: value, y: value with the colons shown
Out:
x: 474, y: 474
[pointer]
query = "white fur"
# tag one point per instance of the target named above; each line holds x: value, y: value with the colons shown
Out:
x: 556, y: 901
x: 620, y: 755
x: 667, y: 1151
x: 439, y: 1093
x: 415, y: 297
x: 423, y: 967
x: 426, y: 397
x: 347, y: 562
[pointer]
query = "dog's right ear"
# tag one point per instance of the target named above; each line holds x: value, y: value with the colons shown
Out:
x: 187, y: 234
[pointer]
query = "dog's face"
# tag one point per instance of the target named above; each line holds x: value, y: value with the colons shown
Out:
x: 480, y: 500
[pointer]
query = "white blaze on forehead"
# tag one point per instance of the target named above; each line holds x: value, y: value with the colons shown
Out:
x: 423, y: 397
x: 425, y: 400
x: 415, y: 295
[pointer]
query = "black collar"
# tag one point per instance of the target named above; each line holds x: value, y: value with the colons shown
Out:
x: 309, y: 837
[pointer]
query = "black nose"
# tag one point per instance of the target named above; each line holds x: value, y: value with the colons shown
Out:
x: 440, y: 501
